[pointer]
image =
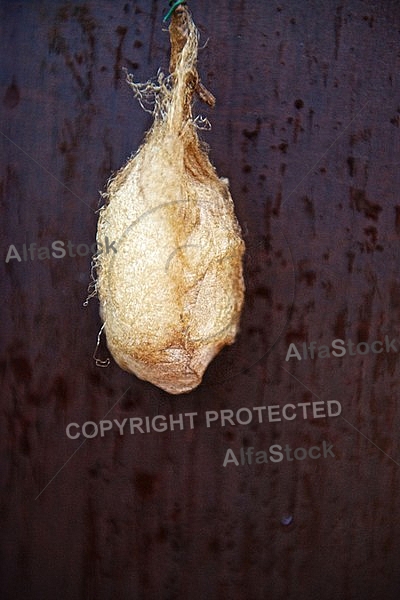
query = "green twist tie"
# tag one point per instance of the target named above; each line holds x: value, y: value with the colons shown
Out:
x: 173, y: 7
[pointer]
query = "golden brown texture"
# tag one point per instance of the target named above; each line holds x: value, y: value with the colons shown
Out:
x: 171, y: 296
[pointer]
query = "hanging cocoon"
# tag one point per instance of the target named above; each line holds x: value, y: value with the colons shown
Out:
x: 172, y: 293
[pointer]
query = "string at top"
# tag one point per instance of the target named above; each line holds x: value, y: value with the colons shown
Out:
x: 173, y: 7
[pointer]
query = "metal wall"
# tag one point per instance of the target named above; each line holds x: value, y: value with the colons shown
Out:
x: 306, y: 128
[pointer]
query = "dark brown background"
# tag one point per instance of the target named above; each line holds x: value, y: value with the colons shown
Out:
x: 306, y: 128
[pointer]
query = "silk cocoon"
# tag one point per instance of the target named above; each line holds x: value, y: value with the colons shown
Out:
x: 172, y: 294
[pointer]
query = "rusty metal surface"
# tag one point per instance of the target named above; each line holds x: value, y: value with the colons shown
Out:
x: 306, y: 128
